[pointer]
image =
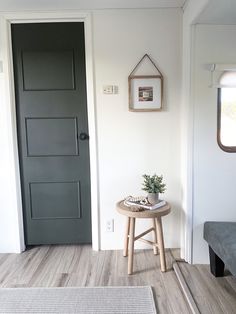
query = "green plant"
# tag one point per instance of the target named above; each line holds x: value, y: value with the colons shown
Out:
x: 153, y: 184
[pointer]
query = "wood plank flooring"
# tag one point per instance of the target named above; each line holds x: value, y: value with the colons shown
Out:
x: 71, y: 265
x: 212, y: 295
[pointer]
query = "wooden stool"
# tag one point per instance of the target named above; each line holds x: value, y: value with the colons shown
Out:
x: 130, y: 237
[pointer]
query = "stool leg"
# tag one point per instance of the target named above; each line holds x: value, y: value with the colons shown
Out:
x: 127, y: 230
x: 155, y: 250
x: 131, y: 246
x: 161, y: 244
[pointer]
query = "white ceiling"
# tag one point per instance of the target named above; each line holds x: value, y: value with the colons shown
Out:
x: 218, y: 12
x: 9, y: 5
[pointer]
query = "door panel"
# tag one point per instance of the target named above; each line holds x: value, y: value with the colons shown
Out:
x: 48, y: 70
x: 59, y: 134
x: 50, y: 86
x: 45, y: 205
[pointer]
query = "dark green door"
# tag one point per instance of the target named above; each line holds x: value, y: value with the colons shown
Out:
x: 50, y: 86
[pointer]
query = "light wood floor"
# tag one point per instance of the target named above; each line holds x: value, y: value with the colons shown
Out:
x: 59, y: 266
x: 212, y: 295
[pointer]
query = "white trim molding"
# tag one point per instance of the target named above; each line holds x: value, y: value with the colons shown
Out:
x: 9, y: 103
x: 187, y: 147
x: 190, y: 156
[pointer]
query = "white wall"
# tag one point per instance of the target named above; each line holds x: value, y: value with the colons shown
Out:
x: 214, y: 170
x: 218, y: 12
x: 129, y: 143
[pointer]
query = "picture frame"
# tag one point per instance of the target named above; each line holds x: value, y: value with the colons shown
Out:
x: 145, y: 92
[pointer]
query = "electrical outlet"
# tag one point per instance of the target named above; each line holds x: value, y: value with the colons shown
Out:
x: 110, y: 225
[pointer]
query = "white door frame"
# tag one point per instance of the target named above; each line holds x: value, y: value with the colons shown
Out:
x: 188, y: 148
x: 7, y: 67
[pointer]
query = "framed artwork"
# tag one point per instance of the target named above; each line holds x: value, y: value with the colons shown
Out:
x: 145, y: 91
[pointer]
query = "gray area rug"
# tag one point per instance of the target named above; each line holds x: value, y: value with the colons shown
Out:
x: 86, y: 300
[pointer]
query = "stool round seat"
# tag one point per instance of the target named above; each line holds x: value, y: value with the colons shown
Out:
x: 155, y: 215
x: 124, y: 210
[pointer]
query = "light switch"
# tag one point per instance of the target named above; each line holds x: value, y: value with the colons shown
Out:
x: 115, y: 89
x: 110, y: 89
x: 1, y: 66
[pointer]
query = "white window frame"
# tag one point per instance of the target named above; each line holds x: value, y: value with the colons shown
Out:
x: 228, y: 149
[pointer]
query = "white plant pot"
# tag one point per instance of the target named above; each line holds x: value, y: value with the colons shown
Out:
x: 153, y: 198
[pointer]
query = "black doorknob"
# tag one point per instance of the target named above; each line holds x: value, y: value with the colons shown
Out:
x: 83, y: 136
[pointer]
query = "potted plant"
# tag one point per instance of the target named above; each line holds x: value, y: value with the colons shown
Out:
x: 153, y: 185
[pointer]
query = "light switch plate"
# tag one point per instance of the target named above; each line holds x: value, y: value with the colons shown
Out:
x: 1, y: 66
x: 115, y: 89
x: 110, y: 89
x: 107, y: 89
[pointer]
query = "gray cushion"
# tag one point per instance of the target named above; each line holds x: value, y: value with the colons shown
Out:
x: 221, y: 236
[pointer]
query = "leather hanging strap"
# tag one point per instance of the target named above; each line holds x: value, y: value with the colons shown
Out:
x: 138, y: 64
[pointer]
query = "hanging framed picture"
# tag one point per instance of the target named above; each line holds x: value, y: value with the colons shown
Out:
x: 145, y: 91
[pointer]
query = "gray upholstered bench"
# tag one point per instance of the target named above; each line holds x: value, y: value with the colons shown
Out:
x: 221, y: 237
